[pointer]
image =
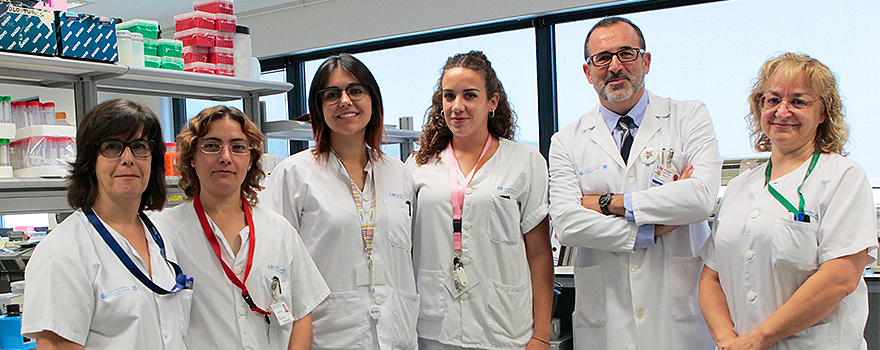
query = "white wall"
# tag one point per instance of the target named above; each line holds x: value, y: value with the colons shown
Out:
x: 337, y: 22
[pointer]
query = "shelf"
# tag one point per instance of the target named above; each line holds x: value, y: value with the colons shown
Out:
x: 45, y: 195
x: 53, y: 72
x: 296, y: 130
x: 169, y: 83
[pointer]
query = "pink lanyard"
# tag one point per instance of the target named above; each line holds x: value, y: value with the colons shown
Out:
x: 458, y: 189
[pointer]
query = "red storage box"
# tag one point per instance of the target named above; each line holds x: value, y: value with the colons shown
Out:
x: 223, y: 39
x: 195, y: 54
x: 221, y: 55
x: 213, y: 6
x: 224, y: 23
x: 196, y: 37
x: 195, y: 19
x: 199, y: 67
x: 225, y: 69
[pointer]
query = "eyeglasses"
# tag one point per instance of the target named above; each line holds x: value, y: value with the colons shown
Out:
x: 603, y: 59
x: 773, y: 102
x: 115, y: 148
x: 331, y: 95
x: 239, y: 149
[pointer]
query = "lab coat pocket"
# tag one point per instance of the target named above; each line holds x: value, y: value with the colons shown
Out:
x: 794, y: 245
x: 683, y: 277
x: 509, y: 308
x: 406, y: 315
x: 590, y: 298
x: 504, y: 219
x: 185, y: 297
x: 433, y: 306
x: 399, y: 223
x: 340, y: 322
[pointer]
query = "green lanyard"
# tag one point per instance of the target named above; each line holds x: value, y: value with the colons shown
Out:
x: 779, y: 196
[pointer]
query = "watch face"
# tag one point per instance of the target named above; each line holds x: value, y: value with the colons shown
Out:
x: 605, y: 199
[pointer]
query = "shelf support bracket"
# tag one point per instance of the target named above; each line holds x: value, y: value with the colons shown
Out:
x: 85, y: 95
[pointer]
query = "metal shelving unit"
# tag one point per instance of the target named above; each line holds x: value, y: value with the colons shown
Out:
x: 20, y: 195
x: 296, y: 130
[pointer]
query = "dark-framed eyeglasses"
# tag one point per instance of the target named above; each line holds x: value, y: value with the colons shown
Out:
x: 115, y: 148
x: 331, y: 95
x: 237, y: 148
x: 604, y: 58
x: 773, y: 102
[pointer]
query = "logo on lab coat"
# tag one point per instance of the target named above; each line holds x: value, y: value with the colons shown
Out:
x: 593, y: 168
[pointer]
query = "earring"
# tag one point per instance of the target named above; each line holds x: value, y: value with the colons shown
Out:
x: 491, y: 114
x: 442, y: 114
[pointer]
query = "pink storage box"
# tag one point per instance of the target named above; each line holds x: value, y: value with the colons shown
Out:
x: 195, y: 19
x: 193, y: 54
x: 214, y: 6
x: 224, y: 23
x: 197, y: 37
x: 199, y: 67
x: 223, y: 39
x: 225, y: 69
x: 221, y: 55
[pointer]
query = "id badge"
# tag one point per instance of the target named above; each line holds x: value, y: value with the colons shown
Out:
x: 282, y: 313
x: 471, y: 279
x: 663, y: 174
x: 368, y: 277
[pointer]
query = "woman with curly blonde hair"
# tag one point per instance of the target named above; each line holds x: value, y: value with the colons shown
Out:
x: 483, y: 258
x: 791, y: 238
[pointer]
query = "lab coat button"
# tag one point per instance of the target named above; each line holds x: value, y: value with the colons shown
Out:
x: 248, y: 348
x: 242, y: 311
x: 468, y: 190
x: 629, y: 177
x: 379, y: 300
x: 466, y: 225
x: 752, y: 296
x: 640, y: 314
x: 750, y: 254
x: 165, y: 332
x: 465, y: 261
x: 634, y: 268
x: 464, y: 296
x: 755, y: 213
x: 237, y: 270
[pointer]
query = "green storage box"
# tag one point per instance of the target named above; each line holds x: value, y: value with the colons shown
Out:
x: 170, y: 48
x: 153, y: 61
x: 151, y: 47
x: 149, y: 28
x: 172, y: 63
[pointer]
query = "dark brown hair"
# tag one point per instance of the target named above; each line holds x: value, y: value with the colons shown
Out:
x: 610, y: 21
x: 123, y: 119
x: 196, y: 128
x: 436, y: 135
x: 375, y: 128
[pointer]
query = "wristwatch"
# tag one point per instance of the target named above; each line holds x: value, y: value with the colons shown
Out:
x: 604, y: 201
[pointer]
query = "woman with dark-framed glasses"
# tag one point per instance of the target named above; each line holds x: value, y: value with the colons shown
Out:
x: 351, y: 205
x: 257, y: 283
x: 791, y: 239
x: 104, y: 278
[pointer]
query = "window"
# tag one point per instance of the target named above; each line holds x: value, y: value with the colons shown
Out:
x: 712, y: 52
x: 408, y: 75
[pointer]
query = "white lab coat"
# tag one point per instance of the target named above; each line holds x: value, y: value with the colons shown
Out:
x: 220, y: 317
x: 506, y: 199
x: 762, y: 256
x: 79, y: 289
x: 316, y: 198
x: 643, y: 298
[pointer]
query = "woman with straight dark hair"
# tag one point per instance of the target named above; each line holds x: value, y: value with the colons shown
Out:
x: 352, y: 206
x: 483, y: 255
x: 104, y: 278
x: 220, y: 229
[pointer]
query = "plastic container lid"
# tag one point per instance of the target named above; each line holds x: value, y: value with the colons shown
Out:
x: 242, y: 30
x: 136, y: 36
x: 193, y: 14
x: 19, y: 103
x: 33, y: 103
x: 49, y: 104
x: 7, y: 98
x: 121, y: 33
x: 4, y: 140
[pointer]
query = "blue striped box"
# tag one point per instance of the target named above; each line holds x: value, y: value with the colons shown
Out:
x: 86, y: 36
x: 27, y: 30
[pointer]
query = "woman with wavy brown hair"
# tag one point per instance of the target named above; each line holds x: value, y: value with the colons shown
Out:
x: 258, y: 284
x: 483, y: 258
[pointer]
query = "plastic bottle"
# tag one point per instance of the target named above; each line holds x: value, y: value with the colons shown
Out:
x: 49, y: 113
x: 61, y: 118
x: 171, y: 159
x: 19, y: 114
x: 35, y: 113
x: 137, y: 47
x: 124, y: 45
x: 4, y: 153
x: 5, y: 109
x: 242, y: 44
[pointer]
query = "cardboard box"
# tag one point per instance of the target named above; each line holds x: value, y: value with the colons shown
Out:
x: 26, y: 30
x: 86, y: 36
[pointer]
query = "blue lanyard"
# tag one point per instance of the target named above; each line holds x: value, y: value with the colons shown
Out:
x: 181, y: 282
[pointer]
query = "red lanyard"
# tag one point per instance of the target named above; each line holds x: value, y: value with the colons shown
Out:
x: 209, y: 233
x: 458, y: 189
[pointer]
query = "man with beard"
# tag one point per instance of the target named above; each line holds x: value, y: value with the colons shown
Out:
x: 632, y: 184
